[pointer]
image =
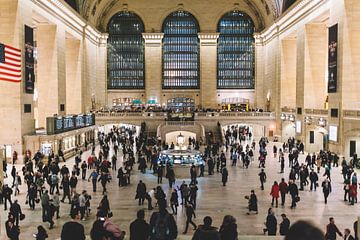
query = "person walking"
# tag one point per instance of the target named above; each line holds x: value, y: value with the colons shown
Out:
x: 347, y: 235
x: 224, y: 176
x: 283, y: 188
x: 45, y: 204
x: 228, y: 229
x: 262, y: 176
x: 41, y: 234
x: 94, y: 176
x: 326, y: 186
x: 7, y: 192
x: 160, y: 173
x: 332, y: 230
x: 162, y: 224
x: 294, y: 193
x: 174, y: 202
x: 65, y: 184
x: 206, y: 231
x: 313, y: 180
x: 252, y: 203
x: 141, y: 192
x: 83, y: 170
x: 190, y: 213
x: 271, y: 223
x: 139, y: 229
x: 284, y: 225
x: 56, y: 203
x: 275, y: 193
x: 15, y: 211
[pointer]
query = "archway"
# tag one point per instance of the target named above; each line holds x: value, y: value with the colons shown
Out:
x: 316, y: 139
x: 171, y: 137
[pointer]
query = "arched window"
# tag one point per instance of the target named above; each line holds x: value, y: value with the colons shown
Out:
x: 288, y: 4
x: 126, y: 52
x: 72, y: 3
x: 236, y: 52
x: 181, y: 51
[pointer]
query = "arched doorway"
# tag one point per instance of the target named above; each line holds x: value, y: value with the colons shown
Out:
x: 171, y: 137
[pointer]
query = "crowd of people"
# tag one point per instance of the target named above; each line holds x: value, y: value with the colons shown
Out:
x: 49, y: 184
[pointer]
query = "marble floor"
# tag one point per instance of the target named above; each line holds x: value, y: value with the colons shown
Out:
x: 213, y: 200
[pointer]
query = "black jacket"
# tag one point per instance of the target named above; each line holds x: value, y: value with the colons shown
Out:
x: 228, y: 232
x: 284, y: 227
x: 206, y: 233
x: 139, y: 230
x: 271, y: 224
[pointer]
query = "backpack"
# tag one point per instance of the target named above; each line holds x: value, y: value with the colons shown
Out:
x: 161, y: 229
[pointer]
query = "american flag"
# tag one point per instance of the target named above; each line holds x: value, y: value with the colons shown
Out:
x: 10, y: 64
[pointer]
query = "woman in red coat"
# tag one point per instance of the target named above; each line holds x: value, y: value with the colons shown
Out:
x: 275, y: 193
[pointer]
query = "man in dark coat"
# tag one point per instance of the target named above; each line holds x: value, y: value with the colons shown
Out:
x: 190, y: 213
x: 332, y: 230
x: 139, y: 229
x: 206, y: 231
x: 262, y: 176
x: 252, y: 203
x: 141, y: 192
x: 271, y: 223
x: 284, y: 225
x: 15, y: 211
x: 224, y: 174
x: 294, y: 192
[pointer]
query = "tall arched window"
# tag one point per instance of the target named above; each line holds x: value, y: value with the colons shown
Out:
x: 181, y: 51
x: 236, y: 52
x: 126, y: 52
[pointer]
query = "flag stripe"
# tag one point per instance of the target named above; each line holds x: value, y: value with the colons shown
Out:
x: 13, y: 53
x: 9, y: 73
x: 18, y: 58
x: 10, y: 64
x: 9, y: 80
x: 13, y: 49
x: 8, y: 67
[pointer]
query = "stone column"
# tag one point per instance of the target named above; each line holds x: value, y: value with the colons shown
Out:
x: 51, y: 71
x: 288, y: 73
x: 153, y: 65
x: 74, y: 86
x: 208, y: 69
x: 101, y: 83
x: 14, y: 14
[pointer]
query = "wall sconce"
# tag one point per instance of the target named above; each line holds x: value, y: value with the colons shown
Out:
x: 283, y: 117
x: 308, y: 120
x: 322, y: 122
x: 292, y: 118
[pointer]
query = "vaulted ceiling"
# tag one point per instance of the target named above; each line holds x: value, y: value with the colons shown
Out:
x: 264, y: 11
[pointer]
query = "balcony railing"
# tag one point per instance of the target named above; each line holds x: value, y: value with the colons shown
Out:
x: 288, y: 110
x: 351, y: 114
x: 198, y: 116
x: 322, y: 112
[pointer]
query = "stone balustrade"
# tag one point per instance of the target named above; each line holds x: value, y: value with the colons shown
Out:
x: 322, y: 112
x: 351, y: 114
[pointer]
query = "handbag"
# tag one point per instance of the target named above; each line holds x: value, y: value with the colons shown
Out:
x: 22, y: 217
x: 297, y: 199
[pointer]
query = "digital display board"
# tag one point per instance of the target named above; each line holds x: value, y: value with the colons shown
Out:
x: 62, y: 124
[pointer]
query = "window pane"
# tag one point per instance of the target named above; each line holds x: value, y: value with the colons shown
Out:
x: 181, y: 51
x: 125, y: 52
x: 236, y: 52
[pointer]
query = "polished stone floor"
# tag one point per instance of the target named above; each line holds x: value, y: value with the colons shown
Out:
x: 213, y: 200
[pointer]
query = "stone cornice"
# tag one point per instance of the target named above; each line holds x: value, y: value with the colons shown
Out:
x: 153, y: 39
x: 60, y: 10
x: 290, y: 19
x: 208, y: 39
